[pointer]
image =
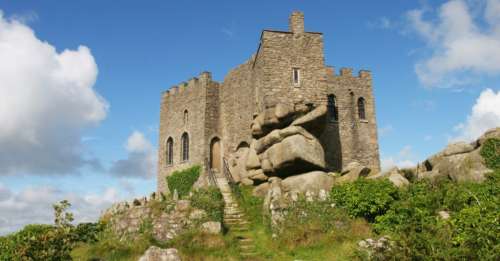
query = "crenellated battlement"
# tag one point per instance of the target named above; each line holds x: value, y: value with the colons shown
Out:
x: 192, y: 85
x: 346, y: 72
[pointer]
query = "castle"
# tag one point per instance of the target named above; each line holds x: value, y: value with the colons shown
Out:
x: 204, y: 121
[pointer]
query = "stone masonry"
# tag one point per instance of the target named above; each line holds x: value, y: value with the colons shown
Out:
x: 287, y: 68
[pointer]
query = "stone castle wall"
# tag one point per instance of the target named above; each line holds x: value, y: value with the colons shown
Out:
x: 225, y: 110
x: 237, y: 106
x: 350, y: 138
x: 190, y: 97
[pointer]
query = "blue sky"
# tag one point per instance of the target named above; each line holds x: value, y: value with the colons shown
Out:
x: 435, y: 66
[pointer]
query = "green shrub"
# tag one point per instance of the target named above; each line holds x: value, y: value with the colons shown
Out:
x: 37, y: 242
x: 471, y: 233
x: 183, y: 180
x: 88, y: 232
x: 365, y: 198
x: 209, y: 199
x: 490, y: 151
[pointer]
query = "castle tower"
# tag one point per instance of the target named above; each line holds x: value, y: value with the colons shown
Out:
x: 203, y: 122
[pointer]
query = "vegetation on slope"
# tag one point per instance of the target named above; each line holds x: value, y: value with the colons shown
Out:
x: 415, y: 218
x: 183, y: 180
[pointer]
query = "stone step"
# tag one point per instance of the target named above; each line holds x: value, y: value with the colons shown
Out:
x: 249, y: 254
x: 233, y: 213
x: 247, y: 247
x: 239, y: 229
x: 246, y: 243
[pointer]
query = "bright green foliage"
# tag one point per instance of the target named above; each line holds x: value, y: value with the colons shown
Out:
x: 88, y: 232
x: 37, y: 242
x: 183, y: 180
x: 47, y: 242
x: 210, y: 200
x: 365, y: 198
x: 250, y: 204
x: 490, y: 151
x: 63, y: 218
x: 471, y: 233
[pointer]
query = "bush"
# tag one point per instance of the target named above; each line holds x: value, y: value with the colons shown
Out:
x: 209, y: 199
x: 37, y: 242
x: 365, y: 198
x: 183, y: 180
x: 88, y: 232
x: 490, y: 151
x: 471, y: 233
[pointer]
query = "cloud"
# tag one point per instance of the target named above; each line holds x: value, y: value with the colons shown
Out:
x: 34, y: 205
x: 485, y: 115
x: 141, y: 160
x: 48, y: 100
x: 463, y: 44
x: 404, y: 159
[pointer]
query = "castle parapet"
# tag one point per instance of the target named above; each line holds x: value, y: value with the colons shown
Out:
x: 345, y: 71
x: 365, y: 74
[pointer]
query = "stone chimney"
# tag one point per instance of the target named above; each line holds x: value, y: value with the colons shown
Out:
x: 296, y: 22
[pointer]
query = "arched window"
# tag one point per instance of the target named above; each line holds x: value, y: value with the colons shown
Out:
x: 185, y: 147
x: 333, y: 113
x: 186, y: 117
x: 169, y: 151
x: 361, y: 109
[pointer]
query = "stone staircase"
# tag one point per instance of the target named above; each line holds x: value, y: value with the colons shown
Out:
x: 235, y: 220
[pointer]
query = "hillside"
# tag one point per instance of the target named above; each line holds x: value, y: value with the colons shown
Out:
x: 447, y: 208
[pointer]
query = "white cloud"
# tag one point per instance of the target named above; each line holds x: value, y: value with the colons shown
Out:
x: 34, y: 205
x: 485, y: 115
x: 404, y: 159
x: 47, y: 101
x: 141, y: 160
x: 463, y: 43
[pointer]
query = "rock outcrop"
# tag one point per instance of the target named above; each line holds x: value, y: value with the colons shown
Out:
x: 458, y: 161
x: 284, y: 144
x: 166, y: 219
x: 155, y: 253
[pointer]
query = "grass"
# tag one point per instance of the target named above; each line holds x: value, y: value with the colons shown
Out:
x: 308, y: 241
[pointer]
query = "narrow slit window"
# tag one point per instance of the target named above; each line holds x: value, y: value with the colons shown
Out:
x: 361, y: 109
x: 296, y: 76
x: 185, y: 147
x: 170, y: 150
x: 186, y: 117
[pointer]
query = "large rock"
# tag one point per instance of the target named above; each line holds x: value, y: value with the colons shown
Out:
x: 252, y: 159
x: 457, y: 148
x: 398, y: 180
x: 211, y: 227
x: 489, y: 134
x: 352, y: 172
x: 296, y: 154
x: 458, y: 161
x: 393, y: 175
x: 312, y: 181
x: 464, y: 167
x: 261, y: 190
x: 311, y: 117
x: 155, y: 253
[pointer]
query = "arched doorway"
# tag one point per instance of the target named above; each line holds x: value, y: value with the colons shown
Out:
x: 215, y: 154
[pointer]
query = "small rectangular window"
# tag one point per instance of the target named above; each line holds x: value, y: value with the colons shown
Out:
x: 296, y: 76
